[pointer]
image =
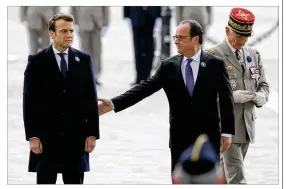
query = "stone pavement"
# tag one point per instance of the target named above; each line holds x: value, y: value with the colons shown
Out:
x: 133, y: 148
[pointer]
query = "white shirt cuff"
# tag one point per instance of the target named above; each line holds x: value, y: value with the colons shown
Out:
x: 112, y: 104
x: 32, y: 138
x: 226, y: 135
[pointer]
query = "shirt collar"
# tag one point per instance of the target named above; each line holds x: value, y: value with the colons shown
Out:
x: 56, y: 51
x: 232, y: 49
x: 196, y: 57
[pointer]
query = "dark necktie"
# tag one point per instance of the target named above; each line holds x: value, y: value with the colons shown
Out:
x: 64, y: 68
x: 238, y: 57
x: 189, y: 77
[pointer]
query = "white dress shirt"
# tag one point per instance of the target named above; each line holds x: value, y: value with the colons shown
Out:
x: 58, y: 58
x: 232, y: 49
x: 195, y: 64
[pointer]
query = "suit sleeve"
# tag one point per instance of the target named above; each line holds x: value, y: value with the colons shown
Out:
x: 226, y: 102
x: 140, y: 91
x: 126, y: 12
x: 262, y: 83
x: 91, y: 105
x: 31, y: 101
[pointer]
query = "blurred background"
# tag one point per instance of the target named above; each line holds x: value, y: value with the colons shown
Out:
x: 133, y: 149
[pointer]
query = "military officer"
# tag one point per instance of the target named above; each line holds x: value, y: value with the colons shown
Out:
x: 249, y: 85
x: 37, y: 19
x: 92, y: 22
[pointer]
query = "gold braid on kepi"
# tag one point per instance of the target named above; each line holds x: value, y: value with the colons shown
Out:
x: 241, y: 21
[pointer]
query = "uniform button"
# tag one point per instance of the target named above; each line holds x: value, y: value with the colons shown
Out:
x: 61, y: 134
x: 244, y: 110
x: 244, y: 77
x: 64, y: 91
x: 63, y: 114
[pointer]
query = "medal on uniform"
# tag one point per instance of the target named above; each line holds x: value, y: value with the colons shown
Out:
x: 229, y: 68
x: 233, y: 84
x: 254, y: 71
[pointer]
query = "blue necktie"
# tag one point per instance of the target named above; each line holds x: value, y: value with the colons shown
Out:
x: 189, y: 77
x: 64, y: 68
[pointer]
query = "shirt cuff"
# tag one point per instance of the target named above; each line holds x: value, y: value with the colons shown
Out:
x: 226, y: 135
x: 112, y: 104
x: 32, y: 138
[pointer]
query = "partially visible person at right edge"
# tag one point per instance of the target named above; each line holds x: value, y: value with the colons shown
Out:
x: 249, y: 85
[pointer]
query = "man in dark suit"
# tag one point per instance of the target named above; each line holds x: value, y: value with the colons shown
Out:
x: 60, y: 107
x: 192, y: 81
x: 143, y: 21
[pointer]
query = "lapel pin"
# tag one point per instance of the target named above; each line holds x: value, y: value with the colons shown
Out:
x: 249, y: 59
x: 76, y: 59
x: 229, y: 68
x: 203, y: 64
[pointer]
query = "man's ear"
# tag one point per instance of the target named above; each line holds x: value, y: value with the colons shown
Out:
x: 227, y: 31
x: 52, y: 34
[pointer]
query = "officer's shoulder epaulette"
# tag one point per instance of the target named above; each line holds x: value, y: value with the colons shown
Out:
x: 210, y: 51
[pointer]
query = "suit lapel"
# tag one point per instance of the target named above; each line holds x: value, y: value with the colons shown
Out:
x: 230, y: 56
x: 72, y: 62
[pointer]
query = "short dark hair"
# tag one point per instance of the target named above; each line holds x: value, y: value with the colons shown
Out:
x: 195, y: 29
x: 59, y: 16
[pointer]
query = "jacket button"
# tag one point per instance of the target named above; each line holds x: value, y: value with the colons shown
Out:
x: 64, y: 91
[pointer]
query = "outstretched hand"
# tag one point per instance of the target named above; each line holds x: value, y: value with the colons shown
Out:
x: 105, y: 106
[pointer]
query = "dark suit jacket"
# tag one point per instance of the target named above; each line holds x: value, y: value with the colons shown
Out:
x: 189, y: 116
x: 135, y: 13
x: 61, y: 112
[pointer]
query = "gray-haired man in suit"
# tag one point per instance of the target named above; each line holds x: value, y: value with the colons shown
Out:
x: 92, y: 24
x: 249, y: 85
x: 37, y: 19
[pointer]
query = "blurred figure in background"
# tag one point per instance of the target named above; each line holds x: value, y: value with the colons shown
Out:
x: 92, y: 25
x: 198, y: 164
x: 36, y: 20
x: 143, y: 22
x: 201, y: 14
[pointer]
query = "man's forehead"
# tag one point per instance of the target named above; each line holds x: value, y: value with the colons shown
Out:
x: 183, y: 28
x: 64, y: 24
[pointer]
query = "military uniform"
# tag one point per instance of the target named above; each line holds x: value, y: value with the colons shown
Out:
x: 91, y: 21
x: 246, y: 73
x: 37, y: 19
